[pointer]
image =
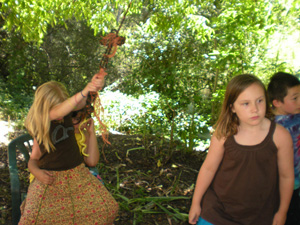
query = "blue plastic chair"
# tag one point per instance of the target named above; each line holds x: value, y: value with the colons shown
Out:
x: 23, y: 144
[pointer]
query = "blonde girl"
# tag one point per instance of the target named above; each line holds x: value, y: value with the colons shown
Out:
x: 87, y: 142
x: 247, y: 176
x: 73, y: 195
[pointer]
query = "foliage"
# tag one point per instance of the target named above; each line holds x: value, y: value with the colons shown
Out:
x: 32, y: 18
x: 282, y: 50
x: 144, y: 205
x: 145, y: 115
x: 187, y: 66
x: 68, y: 56
x: 185, y: 51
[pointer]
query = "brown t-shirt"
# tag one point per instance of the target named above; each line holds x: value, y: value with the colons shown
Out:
x: 245, y: 187
x: 66, y: 155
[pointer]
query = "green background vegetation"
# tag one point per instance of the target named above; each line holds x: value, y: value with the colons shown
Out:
x: 180, y: 54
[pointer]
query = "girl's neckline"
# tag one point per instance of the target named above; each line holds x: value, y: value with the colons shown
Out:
x: 258, y: 144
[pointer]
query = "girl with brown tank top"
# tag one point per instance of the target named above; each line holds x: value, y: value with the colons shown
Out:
x: 65, y: 192
x: 247, y: 177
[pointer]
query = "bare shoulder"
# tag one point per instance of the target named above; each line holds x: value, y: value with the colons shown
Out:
x: 282, y: 136
x: 216, y: 140
x: 215, y: 154
x: 216, y: 143
x: 281, y: 132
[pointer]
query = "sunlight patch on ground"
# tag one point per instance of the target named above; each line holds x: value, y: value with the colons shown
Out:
x: 5, y: 128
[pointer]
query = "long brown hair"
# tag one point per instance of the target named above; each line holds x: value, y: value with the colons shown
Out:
x: 228, y: 122
x: 38, y: 120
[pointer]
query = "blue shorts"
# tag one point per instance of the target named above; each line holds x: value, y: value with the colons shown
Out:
x: 203, y: 222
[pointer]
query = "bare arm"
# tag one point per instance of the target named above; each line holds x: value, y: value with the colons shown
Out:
x: 42, y: 175
x: 285, y: 159
x: 34, y: 157
x: 78, y: 100
x: 206, y: 175
x: 92, y: 145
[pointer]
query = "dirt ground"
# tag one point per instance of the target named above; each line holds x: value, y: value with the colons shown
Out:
x: 133, y: 168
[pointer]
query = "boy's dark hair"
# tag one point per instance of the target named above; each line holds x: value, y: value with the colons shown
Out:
x: 279, y: 84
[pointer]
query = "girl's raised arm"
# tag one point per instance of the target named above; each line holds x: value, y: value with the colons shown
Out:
x: 285, y: 159
x: 206, y: 175
x: 78, y: 100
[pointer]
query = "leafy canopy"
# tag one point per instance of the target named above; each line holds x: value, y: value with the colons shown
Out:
x: 32, y: 17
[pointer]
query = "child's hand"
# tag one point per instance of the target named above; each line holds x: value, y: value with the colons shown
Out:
x: 90, y: 87
x: 194, y: 214
x: 90, y: 125
x: 96, y: 84
x: 279, y: 218
x: 98, y: 79
x: 44, y: 176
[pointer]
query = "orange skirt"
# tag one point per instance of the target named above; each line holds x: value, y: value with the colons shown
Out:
x: 76, y: 197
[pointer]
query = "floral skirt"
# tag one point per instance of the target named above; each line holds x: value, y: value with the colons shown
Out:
x: 75, y: 197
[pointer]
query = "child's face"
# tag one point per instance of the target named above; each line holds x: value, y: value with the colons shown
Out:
x: 291, y: 102
x: 250, y: 106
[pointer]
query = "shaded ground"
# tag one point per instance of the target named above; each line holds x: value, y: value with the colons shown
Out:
x: 135, y: 170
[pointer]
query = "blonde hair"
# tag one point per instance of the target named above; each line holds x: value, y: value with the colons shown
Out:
x: 228, y: 121
x: 38, y: 120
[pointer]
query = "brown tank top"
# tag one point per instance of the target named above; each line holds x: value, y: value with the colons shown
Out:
x: 245, y: 188
x: 66, y: 155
